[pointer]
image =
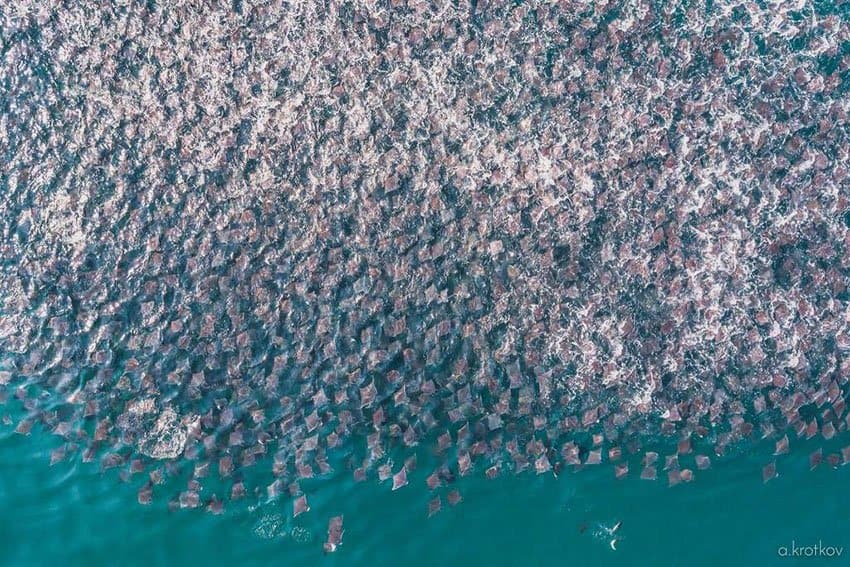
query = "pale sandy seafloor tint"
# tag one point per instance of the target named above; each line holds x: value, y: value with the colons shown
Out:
x: 417, y: 283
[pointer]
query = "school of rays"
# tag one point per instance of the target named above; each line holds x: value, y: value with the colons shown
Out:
x: 517, y: 235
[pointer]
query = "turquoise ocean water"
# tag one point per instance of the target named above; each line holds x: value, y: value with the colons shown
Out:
x: 72, y: 514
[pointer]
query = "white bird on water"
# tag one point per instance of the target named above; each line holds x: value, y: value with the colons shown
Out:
x: 612, y: 532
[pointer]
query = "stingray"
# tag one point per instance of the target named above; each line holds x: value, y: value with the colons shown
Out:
x: 579, y: 253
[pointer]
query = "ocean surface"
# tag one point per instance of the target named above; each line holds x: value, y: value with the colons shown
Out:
x: 596, y: 216
x: 71, y: 514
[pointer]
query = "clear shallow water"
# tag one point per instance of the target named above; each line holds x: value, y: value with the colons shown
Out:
x: 70, y: 513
